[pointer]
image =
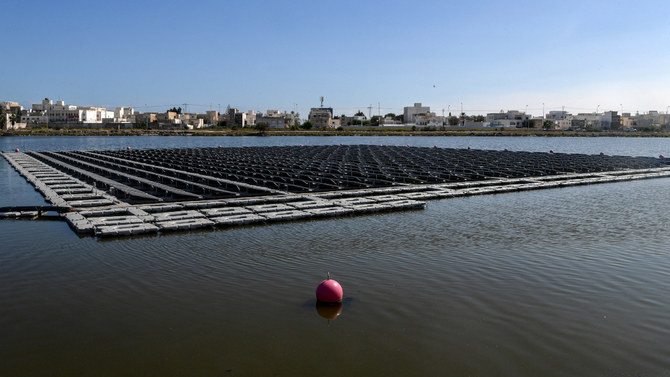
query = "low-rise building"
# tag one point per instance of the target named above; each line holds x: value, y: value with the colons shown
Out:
x: 275, y: 119
x: 509, y: 119
x: 320, y: 117
x: 410, y: 112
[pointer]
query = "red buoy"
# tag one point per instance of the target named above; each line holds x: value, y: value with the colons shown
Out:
x: 506, y: 149
x: 128, y: 148
x: 17, y: 149
x: 219, y: 146
x: 551, y: 151
x: 329, y: 291
x: 602, y: 153
x: 661, y: 156
x: 468, y: 147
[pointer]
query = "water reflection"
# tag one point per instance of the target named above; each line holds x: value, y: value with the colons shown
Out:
x: 329, y: 311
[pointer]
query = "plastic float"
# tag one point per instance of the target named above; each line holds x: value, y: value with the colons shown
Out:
x: 329, y: 291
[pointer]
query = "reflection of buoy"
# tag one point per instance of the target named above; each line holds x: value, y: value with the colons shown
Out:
x: 329, y: 291
x: 17, y: 149
x: 329, y: 311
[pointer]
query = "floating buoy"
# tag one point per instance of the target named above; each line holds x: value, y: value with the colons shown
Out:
x: 219, y: 146
x: 602, y: 153
x: 661, y: 156
x: 435, y: 146
x: 17, y: 149
x: 128, y: 148
x: 551, y: 151
x: 506, y: 150
x: 468, y: 147
x: 329, y: 291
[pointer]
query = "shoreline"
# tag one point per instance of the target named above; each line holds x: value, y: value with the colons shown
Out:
x: 254, y: 132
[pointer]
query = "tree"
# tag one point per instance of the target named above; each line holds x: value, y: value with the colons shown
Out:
x: 390, y: 115
x: 548, y: 125
x: 359, y: 114
x: 374, y: 121
x: 175, y: 110
x: 3, y: 118
x: 262, y: 127
x: 307, y: 125
x: 452, y: 121
x: 14, y: 118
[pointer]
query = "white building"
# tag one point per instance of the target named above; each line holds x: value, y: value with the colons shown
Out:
x: 429, y: 120
x: 509, y: 119
x: 59, y: 112
x: 410, y: 112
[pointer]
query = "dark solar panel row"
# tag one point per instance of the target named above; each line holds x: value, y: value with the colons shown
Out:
x: 178, y: 174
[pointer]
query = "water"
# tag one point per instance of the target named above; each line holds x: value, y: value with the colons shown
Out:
x: 561, y: 282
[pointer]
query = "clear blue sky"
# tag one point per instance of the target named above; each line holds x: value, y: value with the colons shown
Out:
x: 488, y: 55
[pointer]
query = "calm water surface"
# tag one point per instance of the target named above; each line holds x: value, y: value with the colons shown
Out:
x: 563, y: 282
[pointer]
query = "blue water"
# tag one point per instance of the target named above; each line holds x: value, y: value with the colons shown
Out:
x: 561, y: 282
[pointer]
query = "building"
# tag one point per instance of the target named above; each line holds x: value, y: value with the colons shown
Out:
x: 410, y: 112
x: 509, y: 119
x: 61, y: 113
x: 251, y: 118
x: 321, y: 117
x: 122, y: 115
x: 212, y: 117
x: 609, y: 120
x: 146, y: 118
x: 429, y: 120
x: 558, y: 115
x: 275, y: 119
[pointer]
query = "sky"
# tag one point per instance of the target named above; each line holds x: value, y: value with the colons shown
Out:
x: 478, y: 55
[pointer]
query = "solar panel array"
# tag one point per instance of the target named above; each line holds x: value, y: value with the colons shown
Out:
x: 208, y: 173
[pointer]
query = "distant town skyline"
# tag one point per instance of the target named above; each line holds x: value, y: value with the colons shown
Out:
x: 479, y: 56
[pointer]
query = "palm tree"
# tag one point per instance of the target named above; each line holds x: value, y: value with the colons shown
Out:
x: 14, y: 118
x: 3, y: 118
